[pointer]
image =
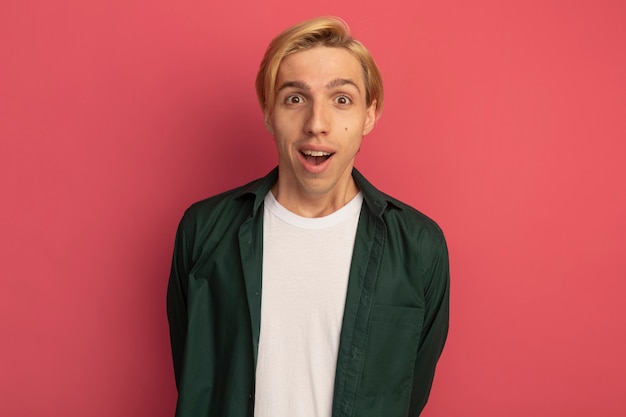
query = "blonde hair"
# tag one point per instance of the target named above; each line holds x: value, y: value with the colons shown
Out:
x: 322, y: 31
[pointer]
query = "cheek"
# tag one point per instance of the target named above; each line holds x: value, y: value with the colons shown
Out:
x: 287, y: 123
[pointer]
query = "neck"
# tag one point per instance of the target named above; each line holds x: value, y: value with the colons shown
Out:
x: 307, y: 204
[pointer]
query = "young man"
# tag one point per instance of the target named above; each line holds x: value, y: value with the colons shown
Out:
x: 309, y: 293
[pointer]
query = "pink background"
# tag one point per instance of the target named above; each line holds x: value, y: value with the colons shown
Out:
x: 505, y: 121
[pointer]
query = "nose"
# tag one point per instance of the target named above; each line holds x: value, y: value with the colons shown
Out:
x: 318, y: 121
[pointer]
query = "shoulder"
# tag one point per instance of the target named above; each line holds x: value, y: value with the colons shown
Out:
x: 401, y: 219
x: 225, y: 209
x: 204, y: 209
x: 410, y: 228
x: 411, y: 218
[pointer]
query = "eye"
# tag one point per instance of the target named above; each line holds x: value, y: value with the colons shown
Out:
x: 343, y: 100
x: 294, y: 99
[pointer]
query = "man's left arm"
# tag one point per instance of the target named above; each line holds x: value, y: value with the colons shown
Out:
x: 435, y: 328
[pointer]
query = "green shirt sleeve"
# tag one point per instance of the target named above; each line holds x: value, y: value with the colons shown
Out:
x: 435, y: 330
x: 177, y: 299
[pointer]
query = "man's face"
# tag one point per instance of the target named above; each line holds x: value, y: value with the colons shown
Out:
x: 318, y: 120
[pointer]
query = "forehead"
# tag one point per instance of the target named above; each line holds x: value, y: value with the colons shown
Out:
x: 320, y: 65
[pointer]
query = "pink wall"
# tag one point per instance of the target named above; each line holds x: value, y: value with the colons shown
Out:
x: 505, y: 121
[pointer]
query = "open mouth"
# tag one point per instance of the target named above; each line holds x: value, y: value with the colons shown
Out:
x: 316, y: 157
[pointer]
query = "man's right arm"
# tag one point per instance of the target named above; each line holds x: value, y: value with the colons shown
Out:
x: 177, y: 299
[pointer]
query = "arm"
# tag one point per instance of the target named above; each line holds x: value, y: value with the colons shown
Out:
x: 177, y: 300
x: 435, y: 330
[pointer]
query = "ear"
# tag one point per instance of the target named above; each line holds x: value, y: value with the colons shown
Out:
x: 268, y: 123
x: 370, y: 118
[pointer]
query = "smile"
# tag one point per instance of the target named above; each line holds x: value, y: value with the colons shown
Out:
x: 316, y: 157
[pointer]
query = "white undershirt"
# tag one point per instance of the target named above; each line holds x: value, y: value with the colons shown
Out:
x: 306, y: 262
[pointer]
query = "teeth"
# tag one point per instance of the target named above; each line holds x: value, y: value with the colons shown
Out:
x: 315, y: 153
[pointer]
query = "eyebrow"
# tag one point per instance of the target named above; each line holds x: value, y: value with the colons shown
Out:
x: 294, y: 84
x: 337, y: 82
